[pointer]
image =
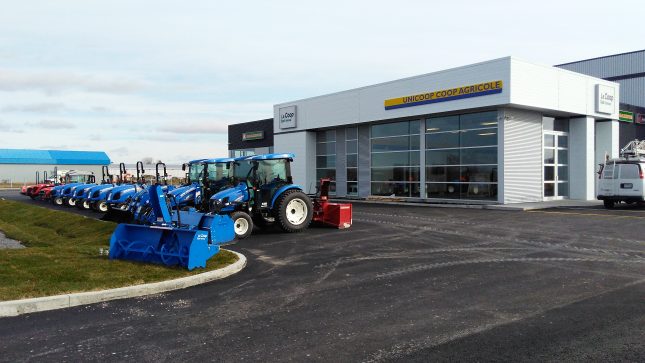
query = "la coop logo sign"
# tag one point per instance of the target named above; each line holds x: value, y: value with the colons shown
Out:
x: 605, y: 99
x: 288, y: 117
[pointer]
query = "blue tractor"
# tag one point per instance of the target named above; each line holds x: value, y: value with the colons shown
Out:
x: 86, y: 199
x: 140, y: 206
x: 205, y: 178
x: 61, y: 194
x: 265, y: 194
x: 96, y: 196
x: 119, y: 197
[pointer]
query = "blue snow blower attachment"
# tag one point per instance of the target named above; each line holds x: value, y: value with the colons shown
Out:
x: 187, y: 239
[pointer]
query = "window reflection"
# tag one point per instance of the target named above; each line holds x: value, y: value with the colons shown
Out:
x: 461, y: 156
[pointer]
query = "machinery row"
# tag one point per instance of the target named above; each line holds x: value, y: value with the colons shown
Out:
x: 221, y: 200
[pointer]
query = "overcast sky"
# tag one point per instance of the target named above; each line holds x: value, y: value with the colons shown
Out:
x: 163, y: 79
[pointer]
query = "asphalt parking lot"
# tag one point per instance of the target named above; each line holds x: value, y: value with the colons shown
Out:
x: 411, y: 284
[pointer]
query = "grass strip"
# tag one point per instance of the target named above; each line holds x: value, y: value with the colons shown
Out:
x: 62, y: 255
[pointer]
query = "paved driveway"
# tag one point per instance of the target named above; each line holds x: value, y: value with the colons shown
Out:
x: 413, y: 284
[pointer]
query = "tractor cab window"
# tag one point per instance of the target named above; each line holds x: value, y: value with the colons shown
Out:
x: 242, y: 169
x: 218, y: 172
x: 271, y: 171
x: 196, y: 173
x: 76, y: 178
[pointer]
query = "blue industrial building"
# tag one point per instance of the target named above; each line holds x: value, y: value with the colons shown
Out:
x: 20, y: 166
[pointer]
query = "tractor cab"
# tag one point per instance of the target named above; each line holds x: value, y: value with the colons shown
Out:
x: 218, y: 175
x: 268, y: 174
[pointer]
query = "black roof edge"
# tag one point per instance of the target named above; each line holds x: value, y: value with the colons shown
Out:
x: 602, y: 57
x: 248, y: 122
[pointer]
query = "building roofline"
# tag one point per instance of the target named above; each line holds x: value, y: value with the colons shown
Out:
x: 602, y: 57
x: 396, y: 80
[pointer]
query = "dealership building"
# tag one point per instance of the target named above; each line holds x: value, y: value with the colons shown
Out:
x: 501, y: 131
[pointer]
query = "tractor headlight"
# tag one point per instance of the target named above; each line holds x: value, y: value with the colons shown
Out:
x: 216, y: 205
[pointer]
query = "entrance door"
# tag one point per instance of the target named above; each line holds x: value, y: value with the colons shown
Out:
x: 556, y: 165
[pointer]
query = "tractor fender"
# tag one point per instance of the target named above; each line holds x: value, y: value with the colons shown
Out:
x: 283, y: 189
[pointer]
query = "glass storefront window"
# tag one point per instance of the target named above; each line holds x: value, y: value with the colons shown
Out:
x: 461, y: 156
x: 481, y: 137
x: 478, y: 120
x: 442, y: 157
x: 397, y: 189
x: 395, y: 158
x: 326, y: 157
x: 394, y: 174
x: 351, y: 151
x: 442, y: 140
x: 441, y: 124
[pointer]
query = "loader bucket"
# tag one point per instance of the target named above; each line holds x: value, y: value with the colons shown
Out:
x: 169, y: 246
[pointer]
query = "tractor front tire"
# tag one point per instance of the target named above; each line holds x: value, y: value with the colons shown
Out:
x: 57, y: 201
x: 294, y: 211
x: 102, y: 207
x: 243, y: 224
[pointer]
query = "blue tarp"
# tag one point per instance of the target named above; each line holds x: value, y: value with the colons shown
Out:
x: 53, y: 157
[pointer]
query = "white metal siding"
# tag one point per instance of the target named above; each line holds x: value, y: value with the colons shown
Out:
x: 303, y: 168
x: 548, y: 88
x: 522, y: 153
x: 581, y: 158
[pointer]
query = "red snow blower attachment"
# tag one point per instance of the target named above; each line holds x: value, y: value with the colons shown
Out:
x: 338, y: 215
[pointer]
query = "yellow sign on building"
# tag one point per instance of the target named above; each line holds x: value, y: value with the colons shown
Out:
x: 450, y: 94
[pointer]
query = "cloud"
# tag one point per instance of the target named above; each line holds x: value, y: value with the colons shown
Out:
x: 100, y: 109
x: 7, y: 127
x: 43, y: 107
x: 52, y: 124
x: 156, y: 137
x: 194, y: 128
x: 121, y: 151
x: 61, y: 81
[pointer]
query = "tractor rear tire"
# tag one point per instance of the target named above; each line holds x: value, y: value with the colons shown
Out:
x: 294, y: 211
x: 243, y: 224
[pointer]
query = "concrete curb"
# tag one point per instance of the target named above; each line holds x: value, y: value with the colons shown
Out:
x: 25, y: 306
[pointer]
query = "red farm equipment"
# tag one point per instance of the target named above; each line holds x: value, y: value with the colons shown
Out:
x: 338, y: 215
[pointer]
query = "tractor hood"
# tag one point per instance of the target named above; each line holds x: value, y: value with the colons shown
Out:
x: 81, y: 190
x: 228, y: 197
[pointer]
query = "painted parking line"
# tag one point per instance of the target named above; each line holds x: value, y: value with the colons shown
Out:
x: 638, y: 211
x: 586, y: 214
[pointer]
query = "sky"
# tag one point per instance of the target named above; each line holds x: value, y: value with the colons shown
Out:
x: 163, y: 79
